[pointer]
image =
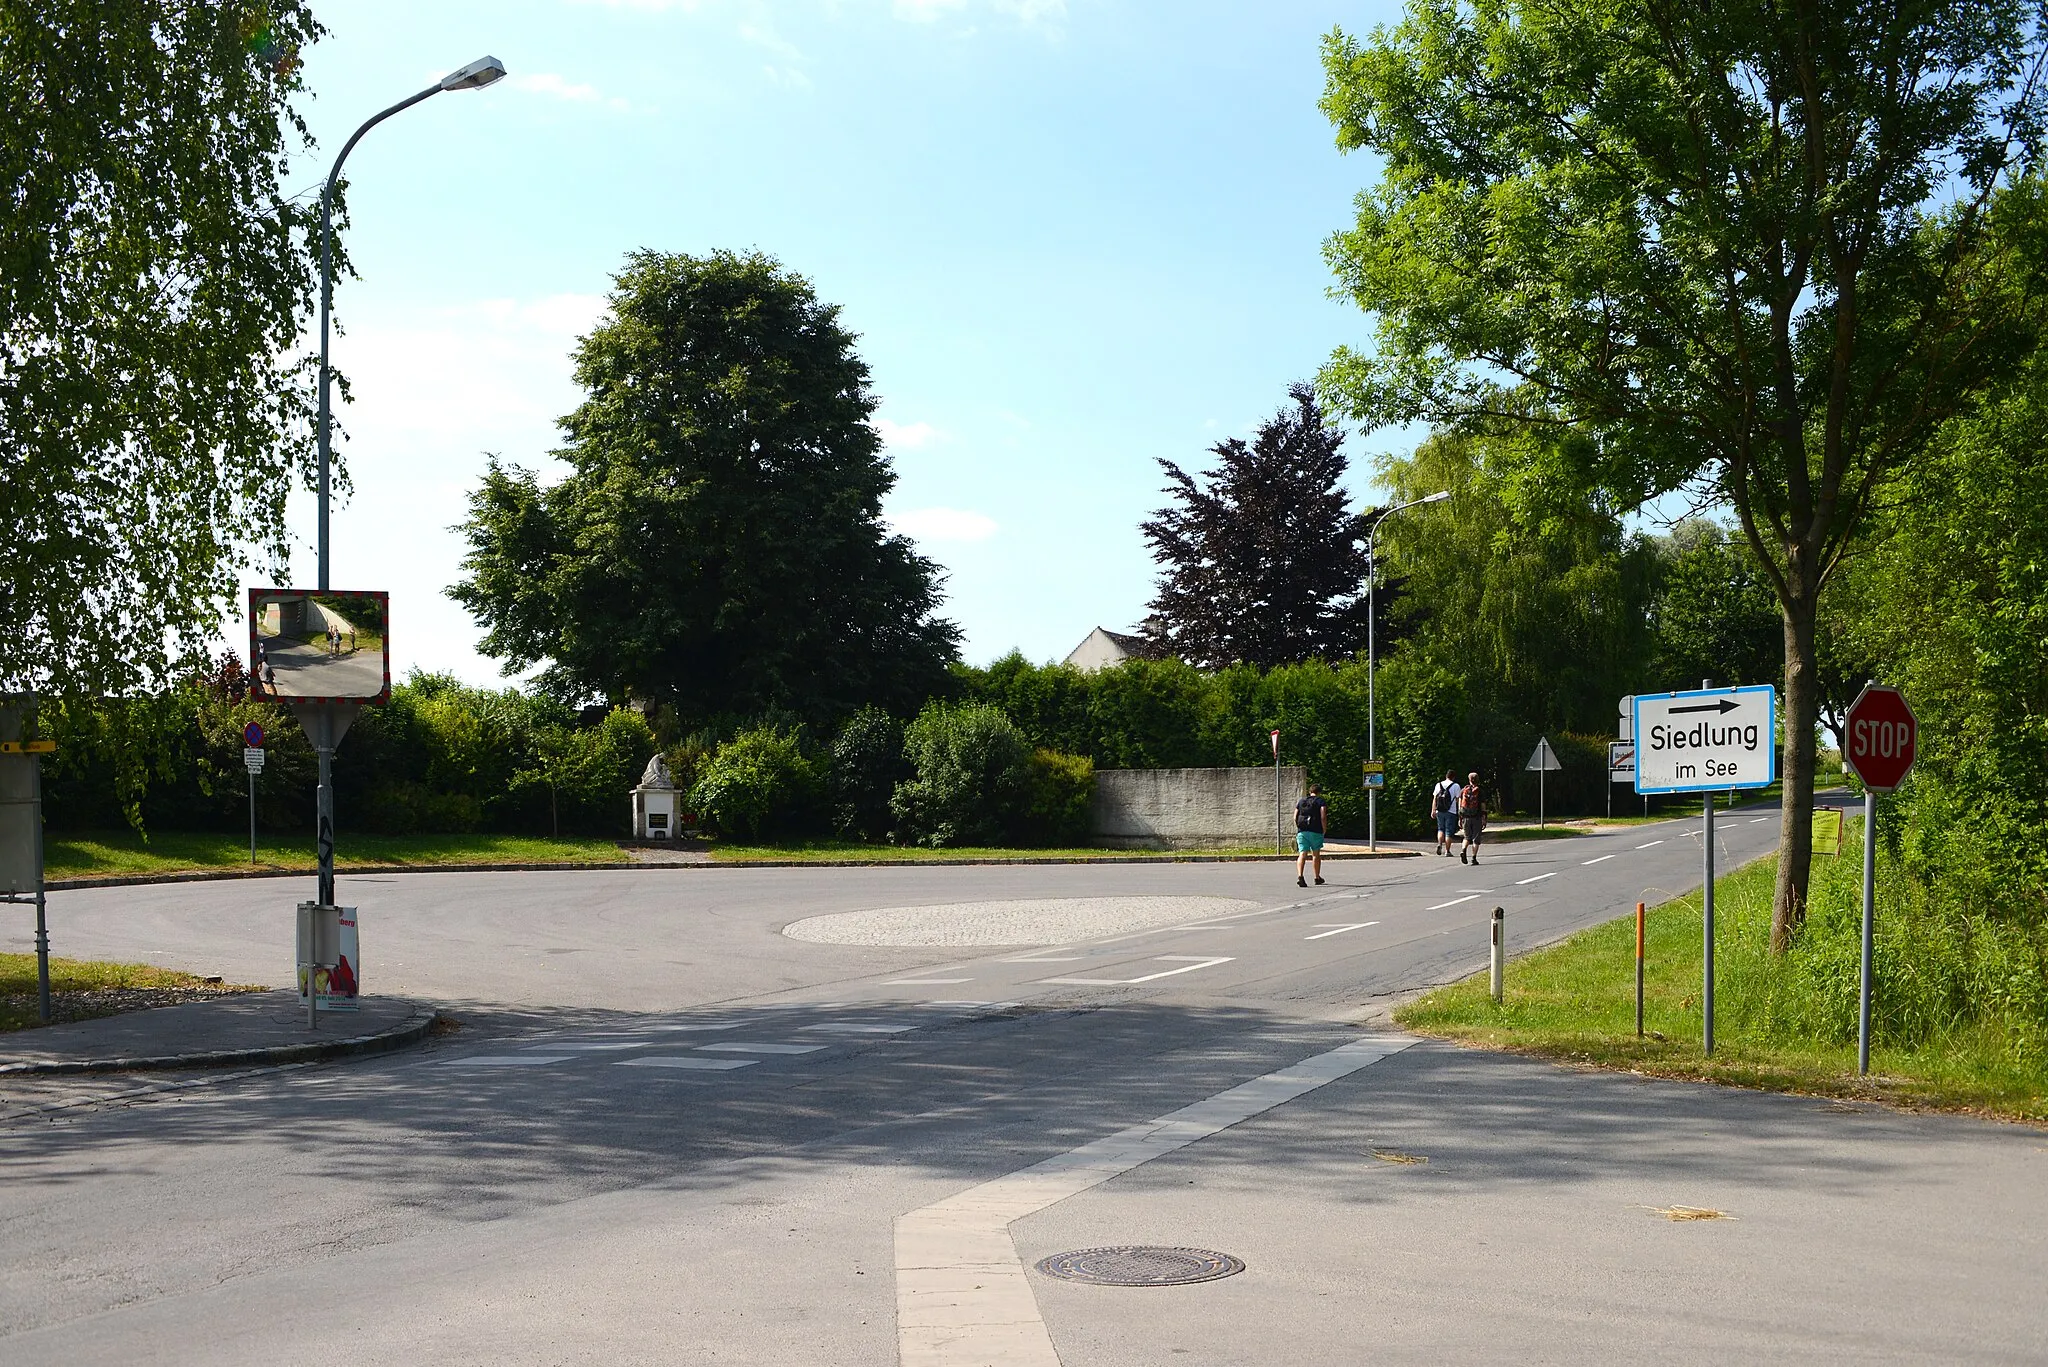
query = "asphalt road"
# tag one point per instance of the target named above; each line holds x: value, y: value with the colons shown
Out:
x: 670, y: 1132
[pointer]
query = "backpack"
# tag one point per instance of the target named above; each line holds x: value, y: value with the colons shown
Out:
x: 1470, y: 797
x: 1305, y: 814
x: 1446, y: 799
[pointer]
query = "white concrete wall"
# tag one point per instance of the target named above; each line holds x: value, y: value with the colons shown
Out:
x: 1191, y: 808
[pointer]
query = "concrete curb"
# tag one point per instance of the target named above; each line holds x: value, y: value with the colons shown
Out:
x: 383, y: 1042
x: 223, y: 875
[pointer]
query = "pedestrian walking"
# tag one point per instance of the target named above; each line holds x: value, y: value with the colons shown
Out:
x: 1311, y: 824
x: 1443, y: 806
x: 1472, y: 810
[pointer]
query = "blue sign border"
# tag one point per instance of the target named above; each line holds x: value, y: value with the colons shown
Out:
x: 1635, y: 722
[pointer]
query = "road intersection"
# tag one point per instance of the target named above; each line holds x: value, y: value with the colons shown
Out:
x: 669, y: 1131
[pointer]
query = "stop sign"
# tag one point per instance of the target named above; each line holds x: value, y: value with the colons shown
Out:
x: 1883, y: 735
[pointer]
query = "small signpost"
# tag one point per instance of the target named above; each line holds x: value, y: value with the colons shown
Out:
x: 1883, y: 742
x: 1279, y: 801
x: 1705, y: 742
x: 1375, y: 771
x: 21, y: 826
x: 252, y: 760
x: 1621, y: 768
x: 1544, y: 761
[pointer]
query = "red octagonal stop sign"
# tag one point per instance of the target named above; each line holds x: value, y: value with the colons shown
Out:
x: 1883, y: 737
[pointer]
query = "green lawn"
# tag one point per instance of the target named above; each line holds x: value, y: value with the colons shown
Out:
x: 825, y: 851
x: 108, y: 854
x: 1575, y: 1002
x: 19, y: 997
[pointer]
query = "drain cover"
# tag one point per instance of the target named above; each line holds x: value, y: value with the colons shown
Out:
x: 1140, y: 1265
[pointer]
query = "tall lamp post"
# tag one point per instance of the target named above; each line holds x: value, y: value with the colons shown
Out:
x: 326, y: 723
x: 475, y: 76
x: 1372, y: 747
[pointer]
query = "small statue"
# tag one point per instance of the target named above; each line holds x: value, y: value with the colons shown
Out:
x: 657, y: 775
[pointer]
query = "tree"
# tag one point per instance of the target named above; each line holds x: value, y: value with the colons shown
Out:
x: 1265, y: 565
x: 153, y: 279
x: 717, y: 545
x: 1715, y: 616
x: 1762, y: 249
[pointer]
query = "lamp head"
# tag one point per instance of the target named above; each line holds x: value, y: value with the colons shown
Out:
x: 475, y: 76
x: 1437, y: 497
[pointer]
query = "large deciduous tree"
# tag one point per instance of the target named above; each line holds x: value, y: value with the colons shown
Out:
x: 1264, y: 564
x: 1763, y: 247
x: 717, y: 545
x: 153, y: 282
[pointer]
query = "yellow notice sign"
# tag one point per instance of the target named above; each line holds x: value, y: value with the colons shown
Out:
x: 28, y: 747
x: 1827, y: 830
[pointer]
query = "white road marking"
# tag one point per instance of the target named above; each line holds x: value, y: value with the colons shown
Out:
x: 1160, y: 930
x: 734, y: 1026
x: 962, y: 1296
x: 855, y: 1028
x: 1056, y: 955
x: 1453, y: 902
x: 735, y: 1047
x: 1329, y: 929
x: 1601, y: 860
x: 1753, y: 820
x: 504, y: 1060
x: 588, y: 1048
x: 1524, y: 882
x: 1149, y: 977
x: 701, y: 1065
x: 924, y: 982
x: 1653, y: 842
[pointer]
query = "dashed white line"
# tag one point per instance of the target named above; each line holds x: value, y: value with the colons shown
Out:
x: 924, y: 982
x: 504, y: 1060
x: 1653, y: 842
x: 1330, y: 928
x: 698, y: 1065
x: 1601, y: 860
x: 1753, y: 820
x: 734, y: 1047
x: 1149, y: 977
x: 1453, y: 902
x: 1522, y: 882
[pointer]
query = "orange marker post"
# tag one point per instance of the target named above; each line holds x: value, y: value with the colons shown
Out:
x: 1639, y: 970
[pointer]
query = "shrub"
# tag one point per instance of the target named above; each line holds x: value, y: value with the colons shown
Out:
x: 866, y: 765
x: 1062, y: 792
x: 972, y: 783
x: 757, y: 785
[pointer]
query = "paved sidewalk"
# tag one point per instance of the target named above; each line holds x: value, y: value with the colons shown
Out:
x: 250, y: 1028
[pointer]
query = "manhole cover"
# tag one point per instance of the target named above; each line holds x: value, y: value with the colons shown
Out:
x: 1140, y: 1265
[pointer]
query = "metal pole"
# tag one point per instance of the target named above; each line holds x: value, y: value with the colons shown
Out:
x: 1542, y: 804
x: 1372, y: 751
x: 324, y: 819
x: 327, y: 300
x: 42, y: 919
x: 1499, y: 966
x: 1708, y: 907
x: 1639, y: 970
x: 252, y: 817
x: 1279, y: 806
x: 1869, y: 928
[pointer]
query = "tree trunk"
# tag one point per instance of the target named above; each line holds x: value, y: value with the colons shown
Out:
x: 1795, y: 812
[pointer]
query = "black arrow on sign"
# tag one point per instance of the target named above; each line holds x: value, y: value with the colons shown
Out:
x: 1724, y: 705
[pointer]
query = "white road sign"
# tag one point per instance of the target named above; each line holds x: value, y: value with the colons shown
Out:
x: 252, y: 759
x: 1706, y: 741
x: 1621, y: 761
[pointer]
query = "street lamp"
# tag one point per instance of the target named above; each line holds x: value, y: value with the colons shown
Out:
x: 474, y: 76
x: 1372, y: 749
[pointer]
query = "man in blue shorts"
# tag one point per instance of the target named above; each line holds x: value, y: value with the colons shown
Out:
x: 1443, y: 805
x: 1311, y: 824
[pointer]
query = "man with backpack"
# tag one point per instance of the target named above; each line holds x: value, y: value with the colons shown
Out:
x: 1443, y: 806
x: 1311, y: 824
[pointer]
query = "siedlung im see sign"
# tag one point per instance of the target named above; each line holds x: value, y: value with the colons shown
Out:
x: 1706, y: 741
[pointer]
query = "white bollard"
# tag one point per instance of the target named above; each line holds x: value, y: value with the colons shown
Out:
x: 1500, y: 928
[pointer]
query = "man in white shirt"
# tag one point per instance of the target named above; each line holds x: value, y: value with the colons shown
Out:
x: 1443, y: 806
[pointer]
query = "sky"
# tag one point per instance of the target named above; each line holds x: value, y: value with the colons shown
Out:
x: 1074, y: 237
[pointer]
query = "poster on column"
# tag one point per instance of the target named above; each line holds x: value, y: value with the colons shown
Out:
x: 336, y: 989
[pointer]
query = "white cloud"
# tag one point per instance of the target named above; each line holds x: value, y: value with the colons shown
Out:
x: 943, y: 524
x: 925, y: 11
x: 556, y: 87
x: 906, y: 436
x: 1034, y: 12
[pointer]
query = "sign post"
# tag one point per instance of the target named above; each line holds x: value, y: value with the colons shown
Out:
x: 1543, y: 760
x: 1279, y: 801
x: 1621, y: 768
x: 1883, y: 741
x: 252, y: 760
x: 1705, y: 742
x: 21, y: 826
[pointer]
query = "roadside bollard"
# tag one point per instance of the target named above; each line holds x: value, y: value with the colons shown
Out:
x: 1500, y: 935
x: 1639, y: 970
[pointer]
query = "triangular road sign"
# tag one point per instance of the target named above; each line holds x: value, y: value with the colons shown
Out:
x: 1543, y: 757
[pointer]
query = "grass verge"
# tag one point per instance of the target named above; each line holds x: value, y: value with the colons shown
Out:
x: 837, y: 851
x: 113, y: 854
x: 1575, y: 1002
x: 81, y: 989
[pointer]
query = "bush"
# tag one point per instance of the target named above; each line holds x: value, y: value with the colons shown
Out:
x: 1062, y: 794
x: 972, y: 783
x: 866, y: 765
x: 758, y: 785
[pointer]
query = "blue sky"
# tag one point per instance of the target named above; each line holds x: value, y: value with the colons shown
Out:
x: 1073, y: 238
